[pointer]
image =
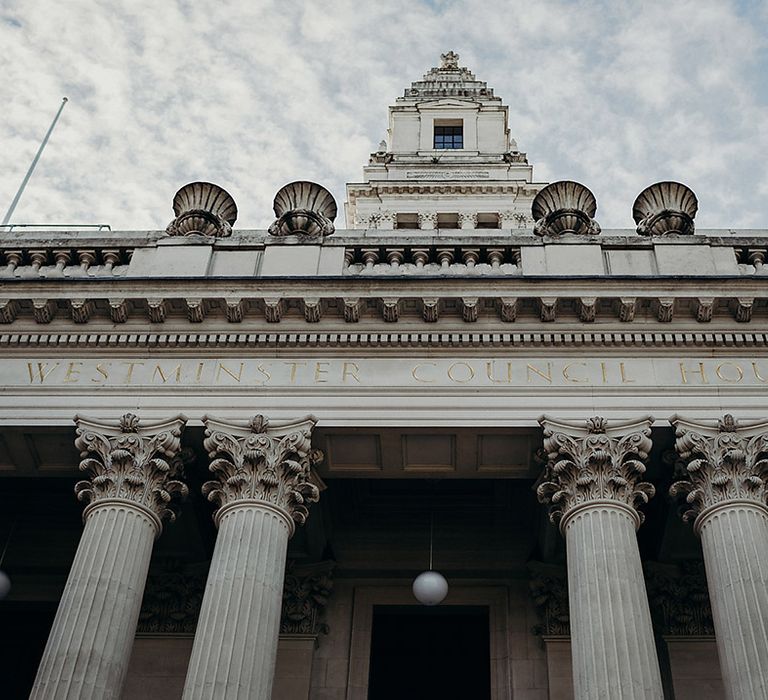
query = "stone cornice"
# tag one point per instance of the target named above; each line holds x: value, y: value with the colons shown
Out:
x: 500, y: 303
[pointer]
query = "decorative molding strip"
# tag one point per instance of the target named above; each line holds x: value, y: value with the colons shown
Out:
x: 458, y: 338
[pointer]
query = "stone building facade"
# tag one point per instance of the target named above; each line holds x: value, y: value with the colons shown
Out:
x: 271, y: 433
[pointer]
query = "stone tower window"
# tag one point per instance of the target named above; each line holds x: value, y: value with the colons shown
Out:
x: 449, y: 135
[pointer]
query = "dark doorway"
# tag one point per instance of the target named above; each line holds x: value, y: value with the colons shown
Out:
x: 420, y: 653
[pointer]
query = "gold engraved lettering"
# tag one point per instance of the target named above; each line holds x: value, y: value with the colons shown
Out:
x: 350, y: 369
x: 624, y: 378
x: 469, y: 368
x: 535, y: 370
x: 732, y: 379
x: 199, y: 372
x: 757, y: 374
x: 159, y: 373
x: 489, y: 367
x: 42, y: 371
x: 129, y: 374
x: 102, y: 370
x: 222, y: 368
x: 604, y: 372
x: 294, y: 366
x: 700, y: 371
x: 265, y: 373
x: 420, y: 379
x: 321, y: 372
x: 574, y: 380
x: 73, y: 373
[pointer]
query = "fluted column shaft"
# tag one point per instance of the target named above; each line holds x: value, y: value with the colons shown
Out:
x: 734, y: 539
x: 726, y: 496
x: 262, y: 487
x: 91, y: 639
x: 592, y: 485
x: 612, y: 644
x: 235, y: 647
x: 130, y: 491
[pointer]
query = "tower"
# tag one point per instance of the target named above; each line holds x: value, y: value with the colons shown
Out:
x: 448, y: 160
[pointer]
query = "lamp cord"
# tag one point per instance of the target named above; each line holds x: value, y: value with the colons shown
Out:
x: 431, y: 531
x: 8, y: 541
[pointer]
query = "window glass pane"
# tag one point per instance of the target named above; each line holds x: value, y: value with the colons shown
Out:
x: 448, y: 137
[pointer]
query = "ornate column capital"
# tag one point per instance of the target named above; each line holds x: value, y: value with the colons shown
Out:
x: 131, y: 461
x: 259, y: 461
x: 592, y: 462
x: 725, y: 463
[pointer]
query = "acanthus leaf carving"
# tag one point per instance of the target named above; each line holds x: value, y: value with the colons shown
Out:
x: 306, y: 591
x: 548, y: 585
x: 172, y: 599
x: 130, y: 461
x: 724, y: 462
x: 595, y: 461
x: 261, y: 462
x: 679, y: 599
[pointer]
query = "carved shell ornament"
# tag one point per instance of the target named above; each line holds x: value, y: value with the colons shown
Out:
x: 304, y: 209
x: 203, y: 209
x: 665, y: 208
x: 565, y: 207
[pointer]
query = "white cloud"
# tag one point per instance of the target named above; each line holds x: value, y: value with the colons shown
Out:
x: 252, y: 95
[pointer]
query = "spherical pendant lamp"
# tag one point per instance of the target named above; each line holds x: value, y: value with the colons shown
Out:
x: 430, y: 587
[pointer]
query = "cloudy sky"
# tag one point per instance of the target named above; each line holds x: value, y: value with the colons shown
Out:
x: 251, y: 95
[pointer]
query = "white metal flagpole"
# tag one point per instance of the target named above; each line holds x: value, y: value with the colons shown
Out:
x: 24, y: 182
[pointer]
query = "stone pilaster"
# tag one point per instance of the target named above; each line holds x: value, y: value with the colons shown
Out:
x: 592, y: 485
x: 132, y: 489
x: 262, y: 489
x: 726, y: 497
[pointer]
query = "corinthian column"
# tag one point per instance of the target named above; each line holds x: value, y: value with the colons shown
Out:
x: 130, y: 493
x: 726, y: 496
x: 262, y: 489
x: 592, y: 485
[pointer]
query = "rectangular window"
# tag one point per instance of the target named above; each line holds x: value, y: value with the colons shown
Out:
x: 407, y: 221
x: 488, y: 221
x: 447, y: 221
x: 449, y: 136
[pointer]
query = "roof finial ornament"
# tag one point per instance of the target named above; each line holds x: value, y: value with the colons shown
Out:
x: 449, y: 61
